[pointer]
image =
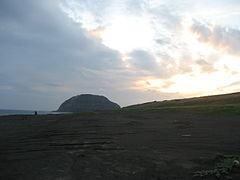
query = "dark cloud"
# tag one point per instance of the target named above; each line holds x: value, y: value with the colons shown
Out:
x: 222, y: 38
x: 141, y: 59
x: 40, y: 46
x: 205, y: 66
x: 52, y: 37
x: 162, y: 41
x: 145, y: 64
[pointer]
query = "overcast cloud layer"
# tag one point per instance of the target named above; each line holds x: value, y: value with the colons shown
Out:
x: 131, y: 51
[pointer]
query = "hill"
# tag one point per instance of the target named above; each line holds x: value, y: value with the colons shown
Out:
x: 217, y: 101
x: 87, y: 103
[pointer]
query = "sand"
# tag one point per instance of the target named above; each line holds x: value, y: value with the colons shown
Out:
x: 150, y: 144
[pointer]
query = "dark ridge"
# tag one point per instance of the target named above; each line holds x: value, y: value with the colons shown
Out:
x: 223, y: 99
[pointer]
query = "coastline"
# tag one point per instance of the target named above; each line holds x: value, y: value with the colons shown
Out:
x: 8, y: 112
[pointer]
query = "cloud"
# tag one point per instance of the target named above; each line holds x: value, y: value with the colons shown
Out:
x: 40, y: 45
x: 143, y: 60
x: 5, y: 88
x: 222, y: 38
x: 51, y: 50
x: 205, y: 66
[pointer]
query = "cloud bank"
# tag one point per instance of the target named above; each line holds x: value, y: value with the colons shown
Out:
x: 130, y: 51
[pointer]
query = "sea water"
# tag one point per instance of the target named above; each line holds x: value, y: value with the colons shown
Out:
x: 4, y: 112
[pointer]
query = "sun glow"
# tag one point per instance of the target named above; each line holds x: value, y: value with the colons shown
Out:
x: 184, y: 62
x: 193, y: 84
x: 196, y: 84
x: 128, y: 33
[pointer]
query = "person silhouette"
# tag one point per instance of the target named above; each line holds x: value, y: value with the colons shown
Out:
x: 35, y: 112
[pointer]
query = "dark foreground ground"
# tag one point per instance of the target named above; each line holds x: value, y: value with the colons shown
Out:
x: 153, y: 144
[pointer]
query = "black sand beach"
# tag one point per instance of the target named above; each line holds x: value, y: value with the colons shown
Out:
x: 147, y: 144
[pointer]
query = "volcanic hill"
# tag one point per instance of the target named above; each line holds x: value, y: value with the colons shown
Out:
x: 87, y: 103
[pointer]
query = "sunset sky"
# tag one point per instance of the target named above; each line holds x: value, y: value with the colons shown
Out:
x: 130, y: 51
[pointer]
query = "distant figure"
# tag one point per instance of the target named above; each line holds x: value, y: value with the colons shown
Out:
x: 35, y: 113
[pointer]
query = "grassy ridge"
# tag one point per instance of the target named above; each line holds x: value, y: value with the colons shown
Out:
x: 221, y: 104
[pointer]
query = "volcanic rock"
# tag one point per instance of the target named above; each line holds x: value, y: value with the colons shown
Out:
x: 87, y: 103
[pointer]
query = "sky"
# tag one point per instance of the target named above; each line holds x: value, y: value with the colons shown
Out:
x: 131, y: 51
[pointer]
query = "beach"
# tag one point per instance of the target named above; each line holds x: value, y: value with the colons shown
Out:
x: 153, y: 144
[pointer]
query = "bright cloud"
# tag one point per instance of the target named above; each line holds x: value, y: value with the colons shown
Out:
x: 166, y: 41
x: 128, y: 33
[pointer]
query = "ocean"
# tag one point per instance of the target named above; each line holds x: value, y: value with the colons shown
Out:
x: 4, y: 112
